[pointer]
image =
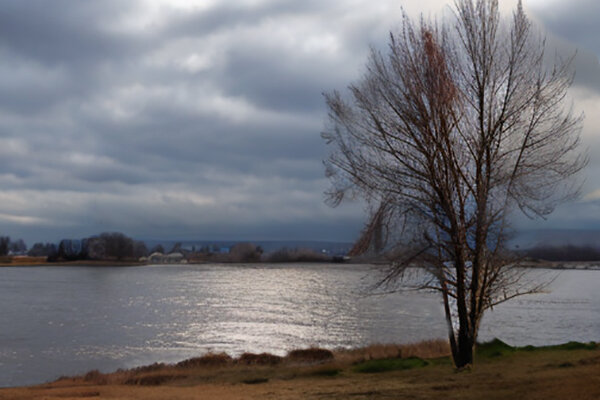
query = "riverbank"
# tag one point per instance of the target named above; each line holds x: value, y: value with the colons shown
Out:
x: 27, y: 261
x: 563, y: 265
x: 377, y: 372
x: 41, y: 262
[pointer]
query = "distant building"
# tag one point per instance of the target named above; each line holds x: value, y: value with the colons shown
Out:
x: 156, y: 258
x: 175, y: 258
x: 160, y: 258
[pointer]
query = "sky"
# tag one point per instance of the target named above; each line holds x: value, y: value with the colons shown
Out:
x: 202, y: 119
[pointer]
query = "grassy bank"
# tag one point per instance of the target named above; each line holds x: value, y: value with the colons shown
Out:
x: 421, y: 371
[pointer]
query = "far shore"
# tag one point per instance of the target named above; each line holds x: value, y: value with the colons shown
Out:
x: 42, y: 262
x: 570, y: 265
x: 131, y: 263
x: 423, y: 370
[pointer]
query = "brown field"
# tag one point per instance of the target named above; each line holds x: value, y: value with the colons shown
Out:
x: 500, y: 372
x: 21, y: 260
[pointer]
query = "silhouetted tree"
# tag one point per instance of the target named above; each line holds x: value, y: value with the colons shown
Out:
x: 4, y: 245
x: 245, y: 252
x: 117, y: 245
x: 139, y: 249
x: 43, y: 250
x: 457, y: 126
x: 95, y: 248
x: 70, y: 249
x: 18, y: 247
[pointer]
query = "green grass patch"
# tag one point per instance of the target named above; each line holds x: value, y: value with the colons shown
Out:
x: 573, y: 346
x: 495, y: 348
x: 389, y: 364
x: 445, y: 361
x: 529, y: 348
x: 565, y: 346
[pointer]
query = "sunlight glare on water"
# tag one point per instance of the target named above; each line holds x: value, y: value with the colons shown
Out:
x: 69, y: 320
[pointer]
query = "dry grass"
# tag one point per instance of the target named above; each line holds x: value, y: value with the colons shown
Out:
x: 259, y: 359
x: 558, y: 372
x: 426, y: 349
x: 27, y: 260
x: 95, y: 377
x: 547, y: 373
x: 154, y: 379
x: 312, y: 355
x: 221, y: 365
x: 21, y: 260
x: 207, y: 360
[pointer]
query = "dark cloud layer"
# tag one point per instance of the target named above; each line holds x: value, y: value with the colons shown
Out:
x: 576, y: 21
x: 169, y: 121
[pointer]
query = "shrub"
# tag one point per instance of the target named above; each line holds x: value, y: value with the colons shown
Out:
x: 149, y: 368
x: 495, y: 348
x: 296, y: 255
x: 310, y: 355
x: 207, y: 360
x: 259, y: 359
x: 95, y: 377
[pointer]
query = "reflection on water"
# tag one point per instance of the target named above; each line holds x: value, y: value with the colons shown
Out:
x: 569, y: 310
x: 67, y: 320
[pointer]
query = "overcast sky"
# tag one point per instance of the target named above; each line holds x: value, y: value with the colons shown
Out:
x: 174, y: 120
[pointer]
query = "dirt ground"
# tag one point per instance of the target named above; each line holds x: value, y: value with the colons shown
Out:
x: 547, y: 374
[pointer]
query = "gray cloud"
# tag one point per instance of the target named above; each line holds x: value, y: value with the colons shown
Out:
x: 65, y: 32
x: 186, y: 127
x: 180, y: 122
x: 576, y: 21
x: 572, y: 27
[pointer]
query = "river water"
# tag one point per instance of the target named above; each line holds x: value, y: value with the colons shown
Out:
x: 67, y: 320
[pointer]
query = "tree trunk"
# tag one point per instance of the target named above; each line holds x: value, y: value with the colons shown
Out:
x: 464, y: 341
x: 451, y: 338
x: 464, y: 354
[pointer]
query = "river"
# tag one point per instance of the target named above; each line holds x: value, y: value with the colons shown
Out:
x: 67, y: 320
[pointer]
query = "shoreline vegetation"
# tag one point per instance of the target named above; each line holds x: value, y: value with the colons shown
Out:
x: 422, y: 370
x: 117, y: 249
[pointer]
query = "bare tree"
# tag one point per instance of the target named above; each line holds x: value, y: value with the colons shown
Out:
x: 245, y: 252
x: 4, y: 245
x: 117, y: 245
x: 459, y: 125
x: 18, y: 247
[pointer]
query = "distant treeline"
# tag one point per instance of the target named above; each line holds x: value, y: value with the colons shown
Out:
x: 116, y: 246
x: 7, y: 246
x: 563, y: 253
x: 105, y: 246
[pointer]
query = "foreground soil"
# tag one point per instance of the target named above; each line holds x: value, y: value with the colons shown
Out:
x: 500, y: 372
